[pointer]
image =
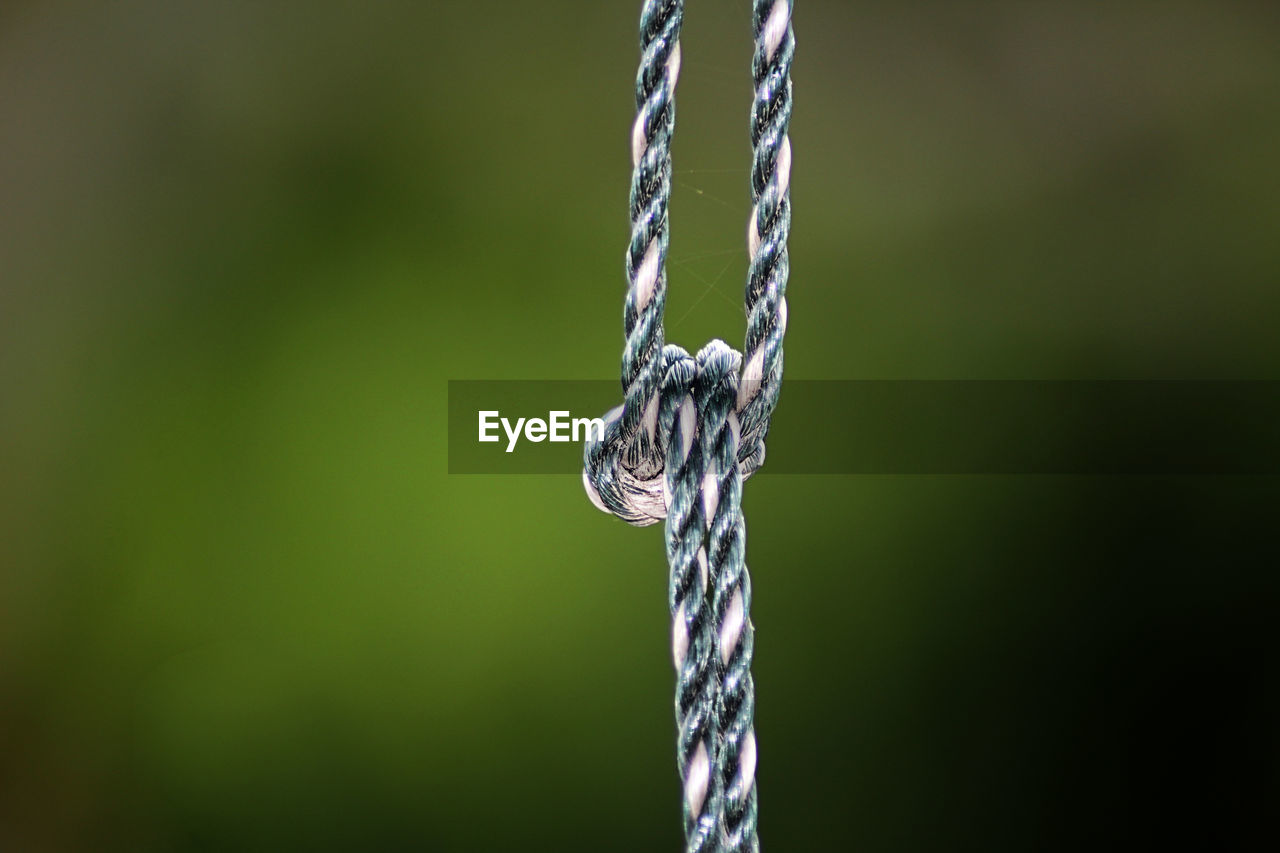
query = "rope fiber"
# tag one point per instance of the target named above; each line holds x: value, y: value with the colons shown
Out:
x: 692, y: 428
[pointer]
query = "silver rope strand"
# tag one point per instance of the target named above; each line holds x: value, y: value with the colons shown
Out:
x: 651, y: 134
x: 693, y: 639
x: 691, y: 429
x: 735, y: 760
x: 768, y: 227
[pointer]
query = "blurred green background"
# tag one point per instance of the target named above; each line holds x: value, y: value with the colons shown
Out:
x: 244, y: 245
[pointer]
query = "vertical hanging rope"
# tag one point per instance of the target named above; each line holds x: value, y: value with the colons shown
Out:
x: 710, y: 598
x: 660, y: 22
x: 769, y: 226
x: 693, y: 636
x: 735, y: 760
x: 691, y: 429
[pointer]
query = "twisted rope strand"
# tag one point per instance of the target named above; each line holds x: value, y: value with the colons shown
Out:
x: 769, y: 226
x: 660, y: 22
x: 756, y: 396
x: 690, y: 430
x: 735, y: 760
x: 692, y: 633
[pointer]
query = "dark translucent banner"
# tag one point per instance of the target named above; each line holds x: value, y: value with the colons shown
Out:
x: 913, y: 427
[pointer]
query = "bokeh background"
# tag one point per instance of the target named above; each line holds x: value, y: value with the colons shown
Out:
x: 244, y: 245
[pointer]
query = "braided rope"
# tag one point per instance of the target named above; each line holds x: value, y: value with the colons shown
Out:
x: 691, y: 429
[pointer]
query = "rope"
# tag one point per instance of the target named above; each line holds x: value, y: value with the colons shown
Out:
x: 660, y: 22
x: 693, y: 636
x: 721, y: 495
x: 769, y: 225
x: 692, y: 428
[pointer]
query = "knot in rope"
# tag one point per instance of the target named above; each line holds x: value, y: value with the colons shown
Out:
x: 627, y: 478
x: 692, y: 428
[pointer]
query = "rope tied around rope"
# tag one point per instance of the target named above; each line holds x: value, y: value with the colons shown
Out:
x: 621, y: 480
x: 691, y: 429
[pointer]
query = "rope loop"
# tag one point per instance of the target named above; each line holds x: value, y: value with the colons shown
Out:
x: 627, y: 478
x: 623, y: 475
x: 691, y: 429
